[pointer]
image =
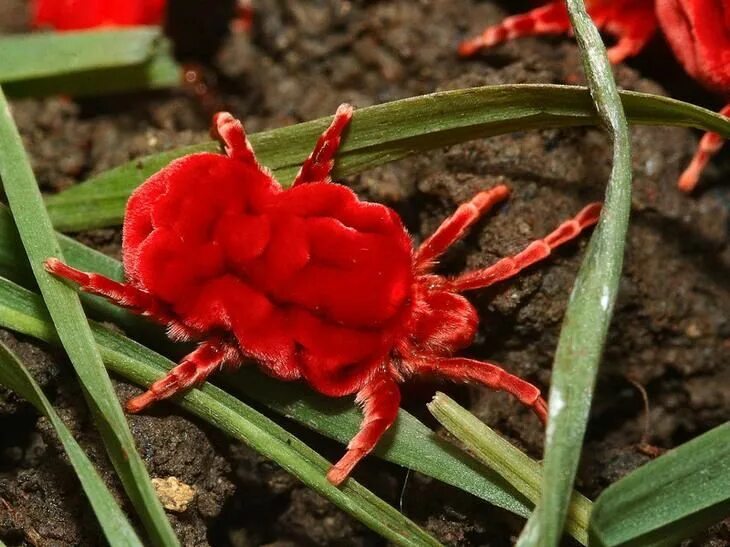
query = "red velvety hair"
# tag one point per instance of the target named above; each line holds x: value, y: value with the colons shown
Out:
x: 311, y: 274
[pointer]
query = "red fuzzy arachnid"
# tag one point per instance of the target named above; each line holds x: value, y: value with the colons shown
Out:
x: 310, y: 282
x: 632, y: 22
x: 698, y: 31
x: 87, y: 14
x: 66, y: 15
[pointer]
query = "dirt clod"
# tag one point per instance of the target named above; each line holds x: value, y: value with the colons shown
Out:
x: 174, y: 494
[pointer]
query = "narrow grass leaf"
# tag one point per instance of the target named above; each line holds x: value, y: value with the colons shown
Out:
x: 670, y: 498
x: 590, y: 308
x: 521, y: 471
x: 409, y: 443
x: 23, y: 311
x: 90, y: 62
x: 384, y: 133
x: 40, y: 243
x: 113, y: 522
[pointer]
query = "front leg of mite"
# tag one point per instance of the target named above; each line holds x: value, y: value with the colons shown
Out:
x: 633, y: 25
x: 232, y: 135
x: 709, y: 145
x: 551, y: 18
x: 380, y: 400
x: 122, y: 294
x: 454, y: 228
x: 318, y: 166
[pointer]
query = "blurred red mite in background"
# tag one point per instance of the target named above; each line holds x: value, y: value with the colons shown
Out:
x: 88, y: 14
x: 698, y: 32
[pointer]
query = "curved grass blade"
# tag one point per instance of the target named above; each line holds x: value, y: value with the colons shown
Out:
x: 384, y: 133
x: 23, y: 311
x: 590, y: 308
x: 410, y: 443
x: 113, y: 522
x: 87, y: 62
x: 670, y: 498
x: 39, y: 241
x: 521, y: 471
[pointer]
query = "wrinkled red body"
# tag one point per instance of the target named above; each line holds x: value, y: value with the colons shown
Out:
x: 311, y: 281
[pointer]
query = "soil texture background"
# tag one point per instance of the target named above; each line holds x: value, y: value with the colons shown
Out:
x: 670, y: 334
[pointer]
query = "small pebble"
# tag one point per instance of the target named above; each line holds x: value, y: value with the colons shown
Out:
x: 174, y: 494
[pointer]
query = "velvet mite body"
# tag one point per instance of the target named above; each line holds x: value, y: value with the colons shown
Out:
x: 309, y: 282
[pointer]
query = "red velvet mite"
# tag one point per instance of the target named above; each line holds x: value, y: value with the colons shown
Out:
x: 66, y: 15
x: 698, y: 31
x: 310, y: 282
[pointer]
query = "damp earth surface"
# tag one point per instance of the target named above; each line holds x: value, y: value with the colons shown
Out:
x: 670, y: 335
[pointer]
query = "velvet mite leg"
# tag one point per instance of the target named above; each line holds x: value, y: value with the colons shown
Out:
x: 551, y: 18
x: 230, y: 132
x: 493, y: 376
x: 534, y: 252
x: 318, y: 166
x: 122, y: 294
x: 453, y: 228
x: 194, y: 368
x: 709, y: 146
x: 380, y: 399
x: 633, y: 23
x: 633, y: 29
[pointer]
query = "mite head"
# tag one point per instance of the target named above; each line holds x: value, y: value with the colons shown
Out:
x: 443, y: 321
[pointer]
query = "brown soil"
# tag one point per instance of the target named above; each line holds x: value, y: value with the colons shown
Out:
x: 670, y: 333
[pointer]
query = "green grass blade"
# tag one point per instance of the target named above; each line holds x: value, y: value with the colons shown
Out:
x: 112, y: 520
x: 384, y: 133
x: 410, y: 443
x: 23, y: 311
x: 670, y: 498
x: 590, y: 308
x: 521, y: 471
x: 39, y: 241
x: 87, y: 62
